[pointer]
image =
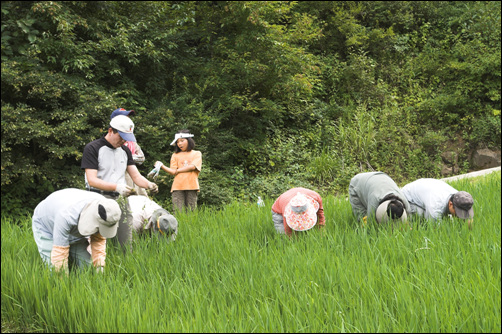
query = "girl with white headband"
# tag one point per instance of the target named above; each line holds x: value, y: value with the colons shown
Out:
x: 185, y: 165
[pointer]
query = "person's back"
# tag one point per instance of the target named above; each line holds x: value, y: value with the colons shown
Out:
x: 59, y: 212
x: 368, y: 190
x: 150, y: 216
x: 428, y: 197
x: 142, y: 209
x: 70, y: 221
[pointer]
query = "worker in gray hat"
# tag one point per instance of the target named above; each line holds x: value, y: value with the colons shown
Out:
x: 150, y: 217
x: 435, y: 199
x: 68, y: 221
x: 376, y: 195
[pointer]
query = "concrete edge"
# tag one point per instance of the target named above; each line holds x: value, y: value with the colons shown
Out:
x: 473, y: 174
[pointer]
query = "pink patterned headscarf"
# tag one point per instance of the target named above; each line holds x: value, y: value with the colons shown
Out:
x: 301, y: 212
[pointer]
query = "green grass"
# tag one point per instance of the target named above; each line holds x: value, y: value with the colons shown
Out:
x: 229, y: 271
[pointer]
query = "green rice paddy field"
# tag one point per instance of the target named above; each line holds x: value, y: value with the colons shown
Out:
x: 229, y: 271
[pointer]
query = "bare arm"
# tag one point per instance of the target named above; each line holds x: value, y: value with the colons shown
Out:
x: 169, y: 170
x: 185, y: 169
x: 137, y: 178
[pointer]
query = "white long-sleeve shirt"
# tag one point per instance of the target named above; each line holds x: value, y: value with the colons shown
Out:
x: 142, y: 209
x: 429, y: 197
x: 56, y: 217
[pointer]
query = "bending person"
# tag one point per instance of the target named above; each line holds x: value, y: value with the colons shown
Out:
x: 376, y: 195
x: 298, y: 209
x: 148, y: 216
x: 63, y: 222
x: 431, y: 198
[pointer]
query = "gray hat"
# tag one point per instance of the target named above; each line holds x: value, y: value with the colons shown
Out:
x: 164, y: 223
x: 463, y: 202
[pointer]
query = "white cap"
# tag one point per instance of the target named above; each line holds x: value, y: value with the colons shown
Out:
x: 124, y: 126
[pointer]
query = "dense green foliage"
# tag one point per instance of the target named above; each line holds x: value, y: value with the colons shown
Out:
x: 229, y: 272
x: 278, y: 93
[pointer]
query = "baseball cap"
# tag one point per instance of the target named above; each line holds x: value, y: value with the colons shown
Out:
x: 122, y: 111
x: 124, y: 126
x: 463, y: 202
x: 301, y: 212
x: 164, y: 223
x: 100, y: 215
x: 382, y: 216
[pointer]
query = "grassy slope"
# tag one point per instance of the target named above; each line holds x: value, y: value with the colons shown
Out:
x: 229, y: 271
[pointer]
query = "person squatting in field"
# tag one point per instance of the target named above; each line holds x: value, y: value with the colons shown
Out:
x: 376, y: 195
x: 105, y: 162
x: 136, y: 151
x: 64, y: 220
x: 298, y: 209
x: 186, y: 164
x: 431, y: 198
x: 150, y: 217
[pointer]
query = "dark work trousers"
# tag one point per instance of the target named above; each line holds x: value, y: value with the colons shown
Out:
x: 124, y: 231
x: 184, y: 199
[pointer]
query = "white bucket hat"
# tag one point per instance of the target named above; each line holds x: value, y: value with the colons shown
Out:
x: 100, y: 215
x: 381, y: 213
x: 180, y: 135
x: 301, y: 212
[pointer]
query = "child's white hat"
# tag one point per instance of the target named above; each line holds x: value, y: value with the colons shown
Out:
x: 180, y: 135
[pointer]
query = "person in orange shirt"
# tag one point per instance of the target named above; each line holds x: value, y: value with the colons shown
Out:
x: 185, y: 165
x: 298, y: 209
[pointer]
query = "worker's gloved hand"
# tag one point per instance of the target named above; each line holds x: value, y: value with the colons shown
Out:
x: 155, y: 172
x: 153, y: 187
x: 152, y: 173
x: 123, y: 190
x: 100, y: 269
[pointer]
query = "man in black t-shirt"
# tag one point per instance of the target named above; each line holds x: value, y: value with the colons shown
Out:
x: 105, y: 161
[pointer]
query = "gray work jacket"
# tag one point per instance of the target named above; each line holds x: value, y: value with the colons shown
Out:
x: 366, y: 190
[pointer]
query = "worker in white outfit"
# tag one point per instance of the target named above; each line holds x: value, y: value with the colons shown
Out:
x: 148, y: 216
x: 436, y: 199
x: 63, y: 222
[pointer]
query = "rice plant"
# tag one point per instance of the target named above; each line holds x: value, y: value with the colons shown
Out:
x: 228, y: 271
